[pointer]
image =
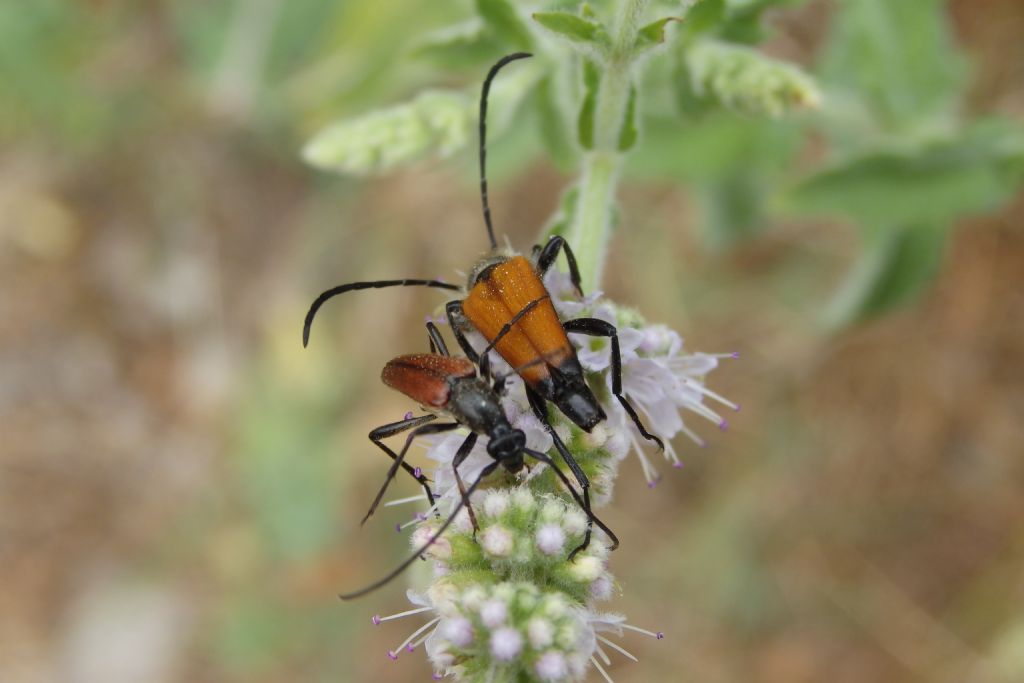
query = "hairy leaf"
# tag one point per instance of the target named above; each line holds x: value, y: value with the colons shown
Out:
x: 585, y: 124
x: 652, y: 35
x: 575, y: 28
x: 936, y: 183
x: 895, y: 265
x: 504, y: 20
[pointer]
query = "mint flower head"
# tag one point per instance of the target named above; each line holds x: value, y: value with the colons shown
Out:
x: 509, y: 600
x: 663, y: 382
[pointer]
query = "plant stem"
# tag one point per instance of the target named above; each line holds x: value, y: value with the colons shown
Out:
x: 591, y: 228
x: 592, y: 222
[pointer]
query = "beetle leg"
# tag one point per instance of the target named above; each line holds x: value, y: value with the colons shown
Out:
x: 419, y: 427
x: 459, y: 322
x: 460, y: 456
x: 550, y: 252
x: 583, y: 503
x: 426, y: 546
x: 537, y: 403
x: 437, y: 344
x: 596, y: 327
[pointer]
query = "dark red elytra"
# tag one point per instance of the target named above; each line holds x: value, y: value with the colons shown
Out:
x: 426, y: 378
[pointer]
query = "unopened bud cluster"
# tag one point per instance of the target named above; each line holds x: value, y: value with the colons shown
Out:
x: 746, y: 81
x: 512, y: 632
x: 522, y: 536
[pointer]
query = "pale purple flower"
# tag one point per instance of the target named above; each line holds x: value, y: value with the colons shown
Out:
x: 550, y: 539
x: 506, y: 644
x: 493, y: 613
x: 552, y: 666
x: 458, y: 630
x: 658, y: 377
x: 497, y: 541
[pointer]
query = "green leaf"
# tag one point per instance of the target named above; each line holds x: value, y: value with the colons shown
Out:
x: 435, y: 122
x: 743, y: 21
x: 554, y: 128
x: 652, y: 35
x: 690, y: 103
x: 585, y: 123
x: 504, y: 20
x: 899, y: 58
x: 703, y: 17
x: 575, y: 28
x: 459, y: 46
x: 713, y: 148
x: 628, y: 134
x: 936, y: 183
x: 895, y: 265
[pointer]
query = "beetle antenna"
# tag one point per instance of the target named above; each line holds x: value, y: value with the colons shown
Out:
x: 433, y: 539
x: 354, y: 286
x: 483, y: 138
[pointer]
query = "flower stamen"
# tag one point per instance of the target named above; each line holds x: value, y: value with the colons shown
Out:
x: 378, y: 620
x: 600, y: 670
x: 629, y: 627
x: 406, y: 644
x: 621, y: 650
x: 403, y: 501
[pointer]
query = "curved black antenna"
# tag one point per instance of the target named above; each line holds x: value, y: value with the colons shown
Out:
x: 354, y: 286
x: 433, y: 539
x: 544, y: 458
x: 483, y: 138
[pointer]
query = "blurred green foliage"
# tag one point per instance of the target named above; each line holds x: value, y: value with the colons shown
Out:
x: 902, y: 162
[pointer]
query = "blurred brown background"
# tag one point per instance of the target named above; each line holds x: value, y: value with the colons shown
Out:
x: 181, y: 483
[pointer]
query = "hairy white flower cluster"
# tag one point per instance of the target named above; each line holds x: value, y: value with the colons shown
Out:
x: 522, y: 535
x: 507, y: 603
x: 661, y: 381
x: 510, y: 605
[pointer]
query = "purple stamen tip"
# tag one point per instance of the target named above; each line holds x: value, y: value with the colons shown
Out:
x: 421, y: 516
x: 659, y: 635
x: 398, y: 528
x: 392, y: 655
x: 436, y: 676
x: 677, y: 465
x: 737, y: 408
x: 410, y: 648
x: 723, y: 425
x: 376, y: 620
x: 653, y: 482
x: 408, y: 415
x: 702, y: 444
x: 417, y: 472
x: 735, y: 354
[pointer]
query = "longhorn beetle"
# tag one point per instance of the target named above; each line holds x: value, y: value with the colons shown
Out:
x: 500, y: 287
x: 451, y: 385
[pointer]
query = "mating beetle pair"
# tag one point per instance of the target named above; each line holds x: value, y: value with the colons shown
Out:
x: 507, y: 303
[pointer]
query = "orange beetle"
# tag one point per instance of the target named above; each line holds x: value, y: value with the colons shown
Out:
x: 506, y: 290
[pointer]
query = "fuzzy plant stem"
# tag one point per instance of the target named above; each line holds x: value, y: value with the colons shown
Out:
x: 591, y: 227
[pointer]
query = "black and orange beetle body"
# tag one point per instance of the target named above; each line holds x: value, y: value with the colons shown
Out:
x: 453, y: 387
x: 506, y: 301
